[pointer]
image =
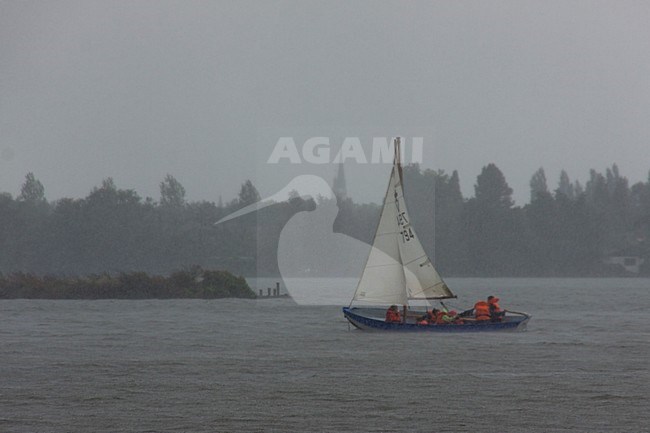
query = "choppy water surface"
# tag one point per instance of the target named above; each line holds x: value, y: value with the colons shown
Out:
x: 253, y: 366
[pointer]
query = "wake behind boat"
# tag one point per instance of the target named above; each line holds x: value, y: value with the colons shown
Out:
x: 399, y: 272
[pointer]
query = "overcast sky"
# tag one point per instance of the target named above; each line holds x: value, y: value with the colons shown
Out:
x: 203, y: 90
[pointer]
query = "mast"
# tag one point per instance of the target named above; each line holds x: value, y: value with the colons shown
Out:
x: 423, y: 282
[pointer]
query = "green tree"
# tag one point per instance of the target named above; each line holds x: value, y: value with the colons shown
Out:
x: 172, y: 192
x: 541, y: 220
x: 448, y: 249
x: 596, y: 190
x: 32, y: 190
x: 565, y: 186
x: 538, y: 185
x: 492, y: 190
x: 111, y: 223
x: 493, y: 231
x: 248, y: 194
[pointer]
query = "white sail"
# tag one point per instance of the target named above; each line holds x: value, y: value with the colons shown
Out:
x: 382, y: 281
x: 422, y: 279
x: 398, y: 269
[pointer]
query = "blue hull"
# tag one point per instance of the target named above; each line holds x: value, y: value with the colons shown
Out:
x: 355, y: 317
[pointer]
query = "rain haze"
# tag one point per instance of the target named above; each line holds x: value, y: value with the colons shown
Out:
x: 204, y: 90
x: 201, y: 216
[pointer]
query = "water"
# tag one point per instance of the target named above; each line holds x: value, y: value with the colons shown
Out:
x: 273, y: 366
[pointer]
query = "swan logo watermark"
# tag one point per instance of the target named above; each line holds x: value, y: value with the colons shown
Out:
x: 308, y: 246
x: 319, y: 150
x: 318, y: 264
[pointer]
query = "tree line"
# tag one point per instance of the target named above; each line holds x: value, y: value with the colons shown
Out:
x: 565, y: 231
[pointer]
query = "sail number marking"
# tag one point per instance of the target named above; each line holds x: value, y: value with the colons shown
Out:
x: 406, y: 232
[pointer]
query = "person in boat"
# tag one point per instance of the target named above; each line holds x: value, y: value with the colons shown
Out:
x: 496, y: 313
x: 454, y: 317
x: 482, y: 311
x: 446, y: 317
x: 393, y: 315
x: 429, y: 318
x: 439, y: 317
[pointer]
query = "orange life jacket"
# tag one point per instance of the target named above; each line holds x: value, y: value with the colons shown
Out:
x: 495, y: 310
x: 440, y: 320
x: 494, y: 305
x: 434, y: 316
x: 393, y: 316
x: 482, y: 310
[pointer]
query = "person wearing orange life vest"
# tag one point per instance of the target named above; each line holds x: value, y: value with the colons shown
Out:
x: 428, y: 319
x: 446, y: 317
x: 482, y: 311
x: 496, y: 313
x: 442, y: 318
x: 392, y: 315
x: 439, y: 317
x: 452, y: 316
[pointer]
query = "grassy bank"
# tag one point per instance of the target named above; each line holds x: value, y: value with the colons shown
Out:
x: 195, y: 283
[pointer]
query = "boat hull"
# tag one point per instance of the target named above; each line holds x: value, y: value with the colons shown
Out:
x: 361, y: 321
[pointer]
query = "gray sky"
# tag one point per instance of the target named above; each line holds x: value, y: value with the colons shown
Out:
x: 203, y: 90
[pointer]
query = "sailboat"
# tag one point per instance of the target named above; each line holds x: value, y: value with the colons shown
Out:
x: 398, y: 272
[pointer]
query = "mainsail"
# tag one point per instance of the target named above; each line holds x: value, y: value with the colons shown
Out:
x: 398, y: 269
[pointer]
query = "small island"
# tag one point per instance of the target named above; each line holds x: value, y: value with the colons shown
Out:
x: 195, y: 283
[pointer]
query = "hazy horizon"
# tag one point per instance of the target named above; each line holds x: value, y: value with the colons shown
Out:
x: 204, y: 90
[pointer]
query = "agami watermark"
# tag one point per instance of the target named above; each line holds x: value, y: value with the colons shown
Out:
x: 319, y: 150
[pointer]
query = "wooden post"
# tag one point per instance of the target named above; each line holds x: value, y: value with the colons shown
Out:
x: 268, y: 291
x: 404, y: 316
x: 261, y: 293
x: 277, y: 288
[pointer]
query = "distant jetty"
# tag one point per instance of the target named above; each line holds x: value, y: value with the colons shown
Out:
x: 272, y: 293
